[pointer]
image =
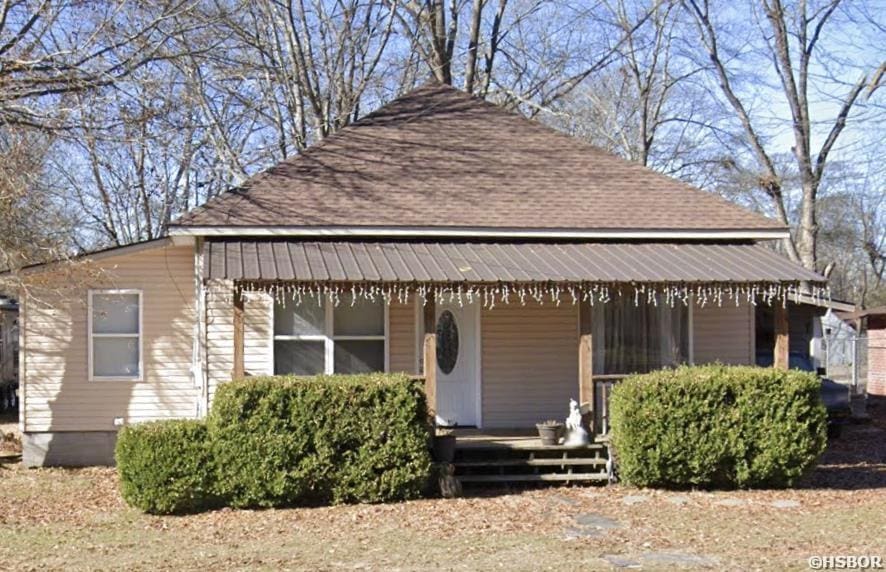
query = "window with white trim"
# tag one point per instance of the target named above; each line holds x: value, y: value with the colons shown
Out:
x: 317, y: 337
x: 115, y: 335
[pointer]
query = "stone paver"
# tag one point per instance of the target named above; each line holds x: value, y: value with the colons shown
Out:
x: 785, y: 503
x: 575, y: 532
x: 731, y: 502
x: 564, y: 500
x: 620, y: 561
x: 679, y: 559
x: 664, y: 560
x: 596, y: 521
x: 590, y: 525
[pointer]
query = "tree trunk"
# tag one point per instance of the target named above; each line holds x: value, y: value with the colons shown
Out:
x: 807, y: 231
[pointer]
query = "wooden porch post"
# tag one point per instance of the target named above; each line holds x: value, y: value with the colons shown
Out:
x: 586, y: 387
x: 429, y: 349
x: 239, y: 370
x: 782, y: 347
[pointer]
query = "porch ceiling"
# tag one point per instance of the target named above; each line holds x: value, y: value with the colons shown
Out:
x: 526, y: 262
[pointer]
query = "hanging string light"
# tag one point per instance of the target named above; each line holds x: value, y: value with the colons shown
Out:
x: 490, y: 295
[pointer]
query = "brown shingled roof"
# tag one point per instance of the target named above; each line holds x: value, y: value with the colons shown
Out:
x: 438, y: 157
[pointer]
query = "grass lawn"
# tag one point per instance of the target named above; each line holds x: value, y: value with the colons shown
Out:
x: 75, y: 519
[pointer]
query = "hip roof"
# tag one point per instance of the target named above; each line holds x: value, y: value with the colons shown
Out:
x: 439, y: 158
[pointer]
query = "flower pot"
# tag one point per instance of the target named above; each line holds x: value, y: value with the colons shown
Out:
x: 549, y: 434
x: 444, y: 448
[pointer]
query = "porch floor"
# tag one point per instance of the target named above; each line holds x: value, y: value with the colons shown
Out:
x: 517, y: 438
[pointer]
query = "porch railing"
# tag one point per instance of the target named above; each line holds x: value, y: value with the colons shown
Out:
x: 603, y: 385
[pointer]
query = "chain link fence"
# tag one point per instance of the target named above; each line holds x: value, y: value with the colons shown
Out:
x: 846, y: 359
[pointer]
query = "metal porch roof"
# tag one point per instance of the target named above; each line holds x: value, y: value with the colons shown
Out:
x: 474, y: 262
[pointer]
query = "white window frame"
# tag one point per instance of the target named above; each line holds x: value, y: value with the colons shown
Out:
x: 139, y: 335
x: 329, y: 338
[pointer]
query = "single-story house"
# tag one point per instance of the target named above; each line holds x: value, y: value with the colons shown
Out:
x: 512, y: 266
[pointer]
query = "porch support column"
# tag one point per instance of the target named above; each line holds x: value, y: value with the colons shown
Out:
x: 781, y: 358
x: 586, y: 387
x: 429, y: 351
x: 239, y: 371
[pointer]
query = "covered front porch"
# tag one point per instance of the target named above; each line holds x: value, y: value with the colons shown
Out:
x: 512, y: 331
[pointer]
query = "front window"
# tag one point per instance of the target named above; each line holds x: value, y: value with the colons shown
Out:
x: 316, y: 337
x: 115, y: 318
x: 637, y: 338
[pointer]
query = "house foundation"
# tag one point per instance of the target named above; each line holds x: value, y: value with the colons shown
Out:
x: 68, y: 448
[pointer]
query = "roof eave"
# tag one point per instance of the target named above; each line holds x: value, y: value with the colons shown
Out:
x: 476, y: 232
x: 101, y: 254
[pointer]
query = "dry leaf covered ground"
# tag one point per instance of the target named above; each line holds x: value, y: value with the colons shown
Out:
x: 10, y: 440
x: 75, y: 519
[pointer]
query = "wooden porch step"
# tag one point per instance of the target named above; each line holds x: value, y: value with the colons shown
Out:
x: 532, y: 478
x: 462, y: 444
x: 532, y: 462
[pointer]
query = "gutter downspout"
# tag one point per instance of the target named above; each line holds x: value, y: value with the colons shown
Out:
x: 199, y: 365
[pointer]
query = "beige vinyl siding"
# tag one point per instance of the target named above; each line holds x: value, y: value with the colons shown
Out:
x: 529, y: 363
x: 258, y: 357
x: 219, y: 333
x: 58, y: 393
x: 401, y: 337
x: 723, y: 333
x: 258, y: 332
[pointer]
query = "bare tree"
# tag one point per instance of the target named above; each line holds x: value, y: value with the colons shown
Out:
x: 49, y: 50
x: 790, y: 37
x: 531, y: 52
x: 647, y: 106
x: 129, y: 177
x: 312, y: 60
x: 52, y: 54
x: 433, y: 27
x: 35, y: 225
x: 154, y: 107
x: 853, y: 229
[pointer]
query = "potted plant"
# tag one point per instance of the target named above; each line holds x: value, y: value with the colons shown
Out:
x: 550, y: 432
x: 444, y: 444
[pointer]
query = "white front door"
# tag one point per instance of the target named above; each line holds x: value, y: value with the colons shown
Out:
x: 458, y: 372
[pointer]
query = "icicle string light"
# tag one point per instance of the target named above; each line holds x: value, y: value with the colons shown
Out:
x: 491, y: 295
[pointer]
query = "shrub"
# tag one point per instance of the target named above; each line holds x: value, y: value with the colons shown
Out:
x: 286, y: 440
x: 165, y: 467
x: 717, y: 426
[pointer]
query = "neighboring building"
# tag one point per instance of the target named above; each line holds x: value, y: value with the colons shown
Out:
x: 525, y: 266
x: 871, y: 324
x: 876, y: 327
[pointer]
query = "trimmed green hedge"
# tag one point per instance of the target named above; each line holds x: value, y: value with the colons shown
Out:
x: 717, y: 426
x: 286, y: 440
x: 281, y: 441
x: 166, y: 466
